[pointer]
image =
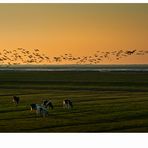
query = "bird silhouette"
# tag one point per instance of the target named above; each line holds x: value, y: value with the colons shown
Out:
x: 35, y: 56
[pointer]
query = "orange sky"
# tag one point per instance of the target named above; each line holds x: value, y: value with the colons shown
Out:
x: 80, y: 29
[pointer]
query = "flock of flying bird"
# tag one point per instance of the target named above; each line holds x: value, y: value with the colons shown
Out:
x: 24, y: 56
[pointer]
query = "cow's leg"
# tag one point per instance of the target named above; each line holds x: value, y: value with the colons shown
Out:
x: 31, y: 109
x: 64, y: 104
x: 68, y: 105
x: 38, y: 112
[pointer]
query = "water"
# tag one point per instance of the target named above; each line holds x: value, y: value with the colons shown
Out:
x: 99, y: 68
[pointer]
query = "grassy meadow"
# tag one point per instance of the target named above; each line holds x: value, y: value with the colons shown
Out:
x: 103, y: 101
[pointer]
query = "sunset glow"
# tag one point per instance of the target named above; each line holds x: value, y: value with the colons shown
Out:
x: 77, y: 29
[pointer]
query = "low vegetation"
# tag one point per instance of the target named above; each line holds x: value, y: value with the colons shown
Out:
x: 103, y: 101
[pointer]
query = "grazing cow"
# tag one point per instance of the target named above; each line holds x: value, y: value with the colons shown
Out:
x: 67, y: 104
x: 47, y: 104
x: 16, y: 100
x: 40, y: 110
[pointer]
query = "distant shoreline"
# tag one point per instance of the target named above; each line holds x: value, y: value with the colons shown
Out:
x: 97, y: 68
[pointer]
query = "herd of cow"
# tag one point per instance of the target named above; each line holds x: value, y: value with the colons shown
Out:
x: 42, y: 109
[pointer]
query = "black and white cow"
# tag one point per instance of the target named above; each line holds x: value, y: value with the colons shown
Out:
x: 16, y: 100
x: 39, y: 109
x: 47, y: 104
x: 67, y: 103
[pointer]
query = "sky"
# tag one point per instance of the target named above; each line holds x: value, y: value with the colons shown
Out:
x: 80, y: 29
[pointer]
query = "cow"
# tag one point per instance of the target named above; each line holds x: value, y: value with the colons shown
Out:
x: 67, y: 103
x: 39, y: 109
x: 16, y: 100
x: 47, y: 104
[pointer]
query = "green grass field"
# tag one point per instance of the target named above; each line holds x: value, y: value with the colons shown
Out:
x: 103, y: 101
